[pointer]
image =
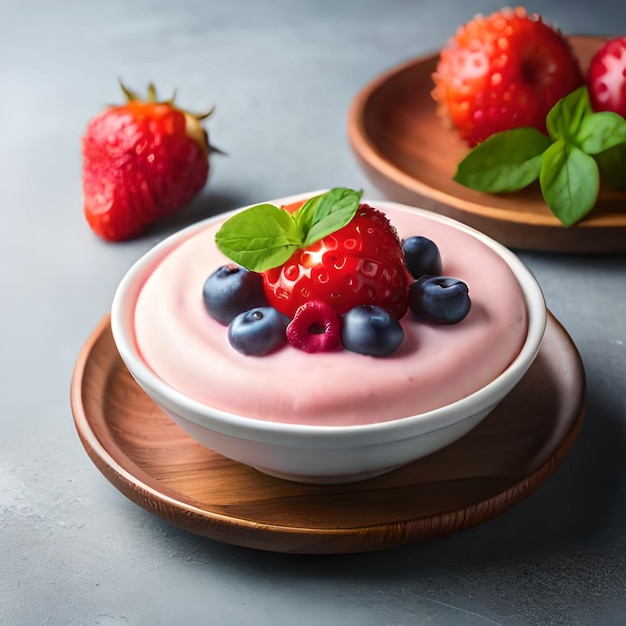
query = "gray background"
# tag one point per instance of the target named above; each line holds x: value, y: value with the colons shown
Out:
x: 73, y: 550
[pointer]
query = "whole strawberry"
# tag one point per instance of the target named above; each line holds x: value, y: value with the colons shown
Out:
x: 503, y: 71
x: 332, y: 249
x: 606, y: 77
x: 141, y: 161
x: 361, y: 263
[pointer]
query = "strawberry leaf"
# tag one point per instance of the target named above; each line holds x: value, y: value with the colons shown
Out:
x: 326, y: 213
x: 600, y: 131
x: 259, y: 238
x: 506, y: 161
x: 566, y: 116
x: 569, y: 180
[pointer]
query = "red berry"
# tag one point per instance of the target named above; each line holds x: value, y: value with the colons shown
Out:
x: 606, y: 78
x: 315, y: 328
x: 142, y: 161
x: 361, y: 263
x: 503, y: 71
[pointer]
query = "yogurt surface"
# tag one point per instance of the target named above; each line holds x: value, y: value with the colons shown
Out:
x: 435, y: 365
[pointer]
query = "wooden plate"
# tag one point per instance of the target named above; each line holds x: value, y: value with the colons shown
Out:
x: 159, y: 467
x: 408, y: 153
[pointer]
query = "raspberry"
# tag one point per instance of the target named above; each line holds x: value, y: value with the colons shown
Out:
x: 315, y: 328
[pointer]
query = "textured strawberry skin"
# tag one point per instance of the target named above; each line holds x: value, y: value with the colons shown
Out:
x: 139, y: 166
x: 606, y: 77
x: 503, y: 71
x: 361, y: 263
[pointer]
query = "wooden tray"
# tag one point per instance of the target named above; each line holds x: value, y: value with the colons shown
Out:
x: 159, y: 467
x: 408, y: 153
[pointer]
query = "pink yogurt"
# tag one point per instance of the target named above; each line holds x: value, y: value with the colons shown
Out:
x: 435, y: 366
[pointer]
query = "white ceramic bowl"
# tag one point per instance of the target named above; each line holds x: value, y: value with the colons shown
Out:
x: 323, y: 454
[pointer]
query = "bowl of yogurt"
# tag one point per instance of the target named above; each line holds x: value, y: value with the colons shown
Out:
x: 337, y: 416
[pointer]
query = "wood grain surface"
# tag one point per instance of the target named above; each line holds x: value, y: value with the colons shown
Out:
x: 411, y: 155
x: 153, y: 462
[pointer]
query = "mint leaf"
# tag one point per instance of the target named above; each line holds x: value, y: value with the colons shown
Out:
x: 612, y: 164
x: 506, y: 161
x: 601, y: 131
x: 569, y: 175
x: 259, y: 238
x: 565, y: 117
x: 265, y: 236
x: 326, y: 213
x: 569, y: 180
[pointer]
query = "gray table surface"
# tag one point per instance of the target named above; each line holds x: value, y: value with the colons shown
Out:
x: 73, y: 550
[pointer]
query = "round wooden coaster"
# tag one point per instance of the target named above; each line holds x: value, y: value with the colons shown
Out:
x: 411, y: 156
x: 145, y: 455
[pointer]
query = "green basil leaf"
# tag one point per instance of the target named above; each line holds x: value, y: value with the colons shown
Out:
x: 259, y: 238
x: 326, y: 213
x: 612, y: 165
x: 569, y: 180
x: 566, y: 116
x: 601, y: 131
x: 506, y: 161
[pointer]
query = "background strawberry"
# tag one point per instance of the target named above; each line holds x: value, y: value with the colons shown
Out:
x: 606, y: 77
x: 142, y: 161
x: 503, y: 71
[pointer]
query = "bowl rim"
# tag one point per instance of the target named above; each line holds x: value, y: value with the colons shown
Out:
x: 253, y: 428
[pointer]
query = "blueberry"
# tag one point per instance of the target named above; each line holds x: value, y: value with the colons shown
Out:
x: 258, y: 332
x: 439, y: 299
x: 371, y: 330
x: 231, y: 290
x: 422, y: 256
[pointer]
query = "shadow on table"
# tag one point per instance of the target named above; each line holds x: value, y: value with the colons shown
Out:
x: 207, y: 204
